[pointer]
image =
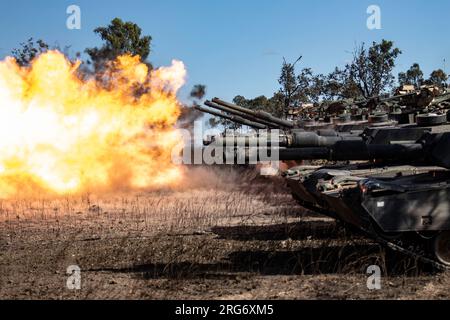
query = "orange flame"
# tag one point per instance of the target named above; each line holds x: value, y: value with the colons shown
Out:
x: 63, y: 135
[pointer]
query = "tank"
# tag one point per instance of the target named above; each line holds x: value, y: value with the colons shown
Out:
x: 392, y: 183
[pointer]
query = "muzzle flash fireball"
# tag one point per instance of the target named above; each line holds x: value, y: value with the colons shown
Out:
x: 60, y: 134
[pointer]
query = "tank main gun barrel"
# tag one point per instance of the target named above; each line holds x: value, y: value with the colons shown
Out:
x: 241, y: 114
x: 301, y: 139
x: 354, y: 151
x: 340, y: 151
x: 232, y: 118
x: 257, y: 114
x: 389, y: 144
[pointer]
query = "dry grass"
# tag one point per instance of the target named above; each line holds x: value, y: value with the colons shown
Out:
x: 223, y: 233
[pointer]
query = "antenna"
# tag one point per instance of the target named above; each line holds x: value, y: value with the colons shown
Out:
x: 445, y: 72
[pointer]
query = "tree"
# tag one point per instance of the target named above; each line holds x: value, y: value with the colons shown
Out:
x: 339, y: 85
x: 298, y: 89
x: 414, y: 76
x: 368, y: 75
x: 310, y: 86
x: 120, y: 38
x: 28, y: 51
x: 214, y: 122
x: 371, y: 69
x: 198, y: 91
x: 289, y: 84
x: 438, y: 78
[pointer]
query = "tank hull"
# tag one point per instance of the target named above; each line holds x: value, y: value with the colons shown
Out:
x: 406, y: 202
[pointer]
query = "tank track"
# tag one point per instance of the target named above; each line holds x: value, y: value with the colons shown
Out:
x: 414, y: 250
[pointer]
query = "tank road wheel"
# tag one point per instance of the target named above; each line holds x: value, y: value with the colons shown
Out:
x: 441, y: 247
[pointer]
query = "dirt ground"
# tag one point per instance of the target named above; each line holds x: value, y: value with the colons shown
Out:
x: 226, y: 235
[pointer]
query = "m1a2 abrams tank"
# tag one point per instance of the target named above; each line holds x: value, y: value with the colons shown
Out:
x: 393, y: 183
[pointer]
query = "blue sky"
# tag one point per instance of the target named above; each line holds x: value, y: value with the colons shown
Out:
x: 236, y: 47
